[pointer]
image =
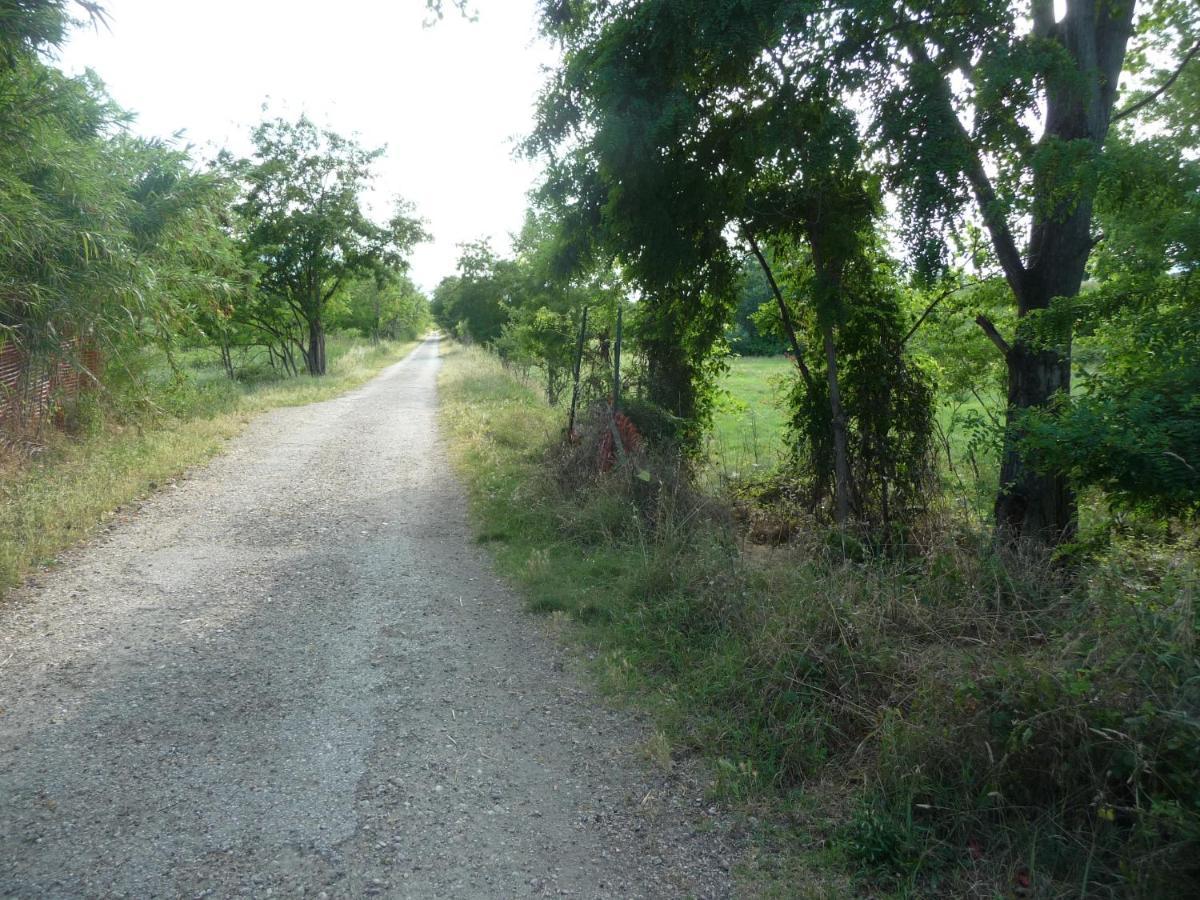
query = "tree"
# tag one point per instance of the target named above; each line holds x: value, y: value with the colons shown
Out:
x: 679, y: 138
x: 1133, y: 426
x: 980, y: 103
x: 1039, y: 97
x: 304, y: 225
x: 383, y: 305
x: 107, y: 238
x: 473, y: 304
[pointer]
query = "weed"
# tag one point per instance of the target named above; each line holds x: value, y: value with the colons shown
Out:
x: 979, y: 723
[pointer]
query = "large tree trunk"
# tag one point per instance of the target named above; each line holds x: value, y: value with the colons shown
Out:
x: 1033, y: 505
x: 316, y: 346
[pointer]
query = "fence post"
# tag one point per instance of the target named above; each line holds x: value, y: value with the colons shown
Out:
x: 617, y: 365
x: 618, y: 446
x: 578, y: 368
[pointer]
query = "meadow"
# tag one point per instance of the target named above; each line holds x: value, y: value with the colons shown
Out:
x: 749, y: 421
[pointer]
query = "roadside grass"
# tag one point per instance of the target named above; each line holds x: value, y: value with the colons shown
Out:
x: 950, y: 721
x: 152, y: 423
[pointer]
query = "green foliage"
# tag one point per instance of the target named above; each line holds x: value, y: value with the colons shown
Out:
x: 29, y: 26
x: 673, y: 133
x: 961, y: 719
x: 382, y: 305
x: 1133, y: 429
x: 747, y: 337
x: 674, y: 125
x: 304, y: 231
x: 107, y: 236
x: 472, y: 304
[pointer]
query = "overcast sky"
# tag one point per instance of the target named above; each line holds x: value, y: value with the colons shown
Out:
x: 446, y: 100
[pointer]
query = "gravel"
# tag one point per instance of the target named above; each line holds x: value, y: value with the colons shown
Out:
x: 293, y: 674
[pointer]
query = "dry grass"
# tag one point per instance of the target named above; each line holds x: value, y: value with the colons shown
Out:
x: 161, y: 426
x: 941, y: 719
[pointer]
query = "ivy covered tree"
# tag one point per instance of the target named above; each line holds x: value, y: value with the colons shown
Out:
x: 669, y: 119
x: 679, y: 139
x: 304, y: 226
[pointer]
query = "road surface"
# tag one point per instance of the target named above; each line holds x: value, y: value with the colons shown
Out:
x: 293, y: 674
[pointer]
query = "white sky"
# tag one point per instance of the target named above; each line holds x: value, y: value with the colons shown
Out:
x: 448, y: 101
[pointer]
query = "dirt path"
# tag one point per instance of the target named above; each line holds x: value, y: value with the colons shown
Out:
x: 293, y: 674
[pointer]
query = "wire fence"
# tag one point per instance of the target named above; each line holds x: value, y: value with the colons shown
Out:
x: 36, y: 390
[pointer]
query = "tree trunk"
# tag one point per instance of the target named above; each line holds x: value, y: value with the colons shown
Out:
x: 841, y: 451
x: 227, y: 358
x: 316, y: 346
x: 1032, y: 505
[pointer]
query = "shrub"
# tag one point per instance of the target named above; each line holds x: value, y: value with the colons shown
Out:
x: 972, y: 722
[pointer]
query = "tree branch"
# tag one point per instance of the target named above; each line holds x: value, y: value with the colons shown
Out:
x: 985, y: 195
x: 333, y: 290
x: 1160, y: 90
x: 784, y: 315
x: 993, y: 333
x: 949, y: 292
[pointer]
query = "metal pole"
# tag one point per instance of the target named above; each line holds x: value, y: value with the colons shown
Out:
x: 617, y: 364
x: 618, y: 446
x: 578, y: 371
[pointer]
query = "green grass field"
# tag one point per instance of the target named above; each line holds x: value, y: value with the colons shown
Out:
x: 749, y: 429
x: 749, y: 422
x: 154, y: 423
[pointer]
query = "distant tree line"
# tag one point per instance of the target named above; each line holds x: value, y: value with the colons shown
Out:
x: 130, y: 241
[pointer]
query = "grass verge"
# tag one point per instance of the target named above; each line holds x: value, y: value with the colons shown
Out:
x: 152, y: 425
x: 947, y: 721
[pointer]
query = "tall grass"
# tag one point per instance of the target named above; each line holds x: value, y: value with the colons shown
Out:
x: 950, y: 720
x: 153, y: 421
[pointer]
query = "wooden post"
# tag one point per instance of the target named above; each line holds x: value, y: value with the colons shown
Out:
x: 617, y: 364
x: 618, y: 447
x: 578, y: 370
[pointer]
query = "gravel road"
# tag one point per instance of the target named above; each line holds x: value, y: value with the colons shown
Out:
x: 293, y: 674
